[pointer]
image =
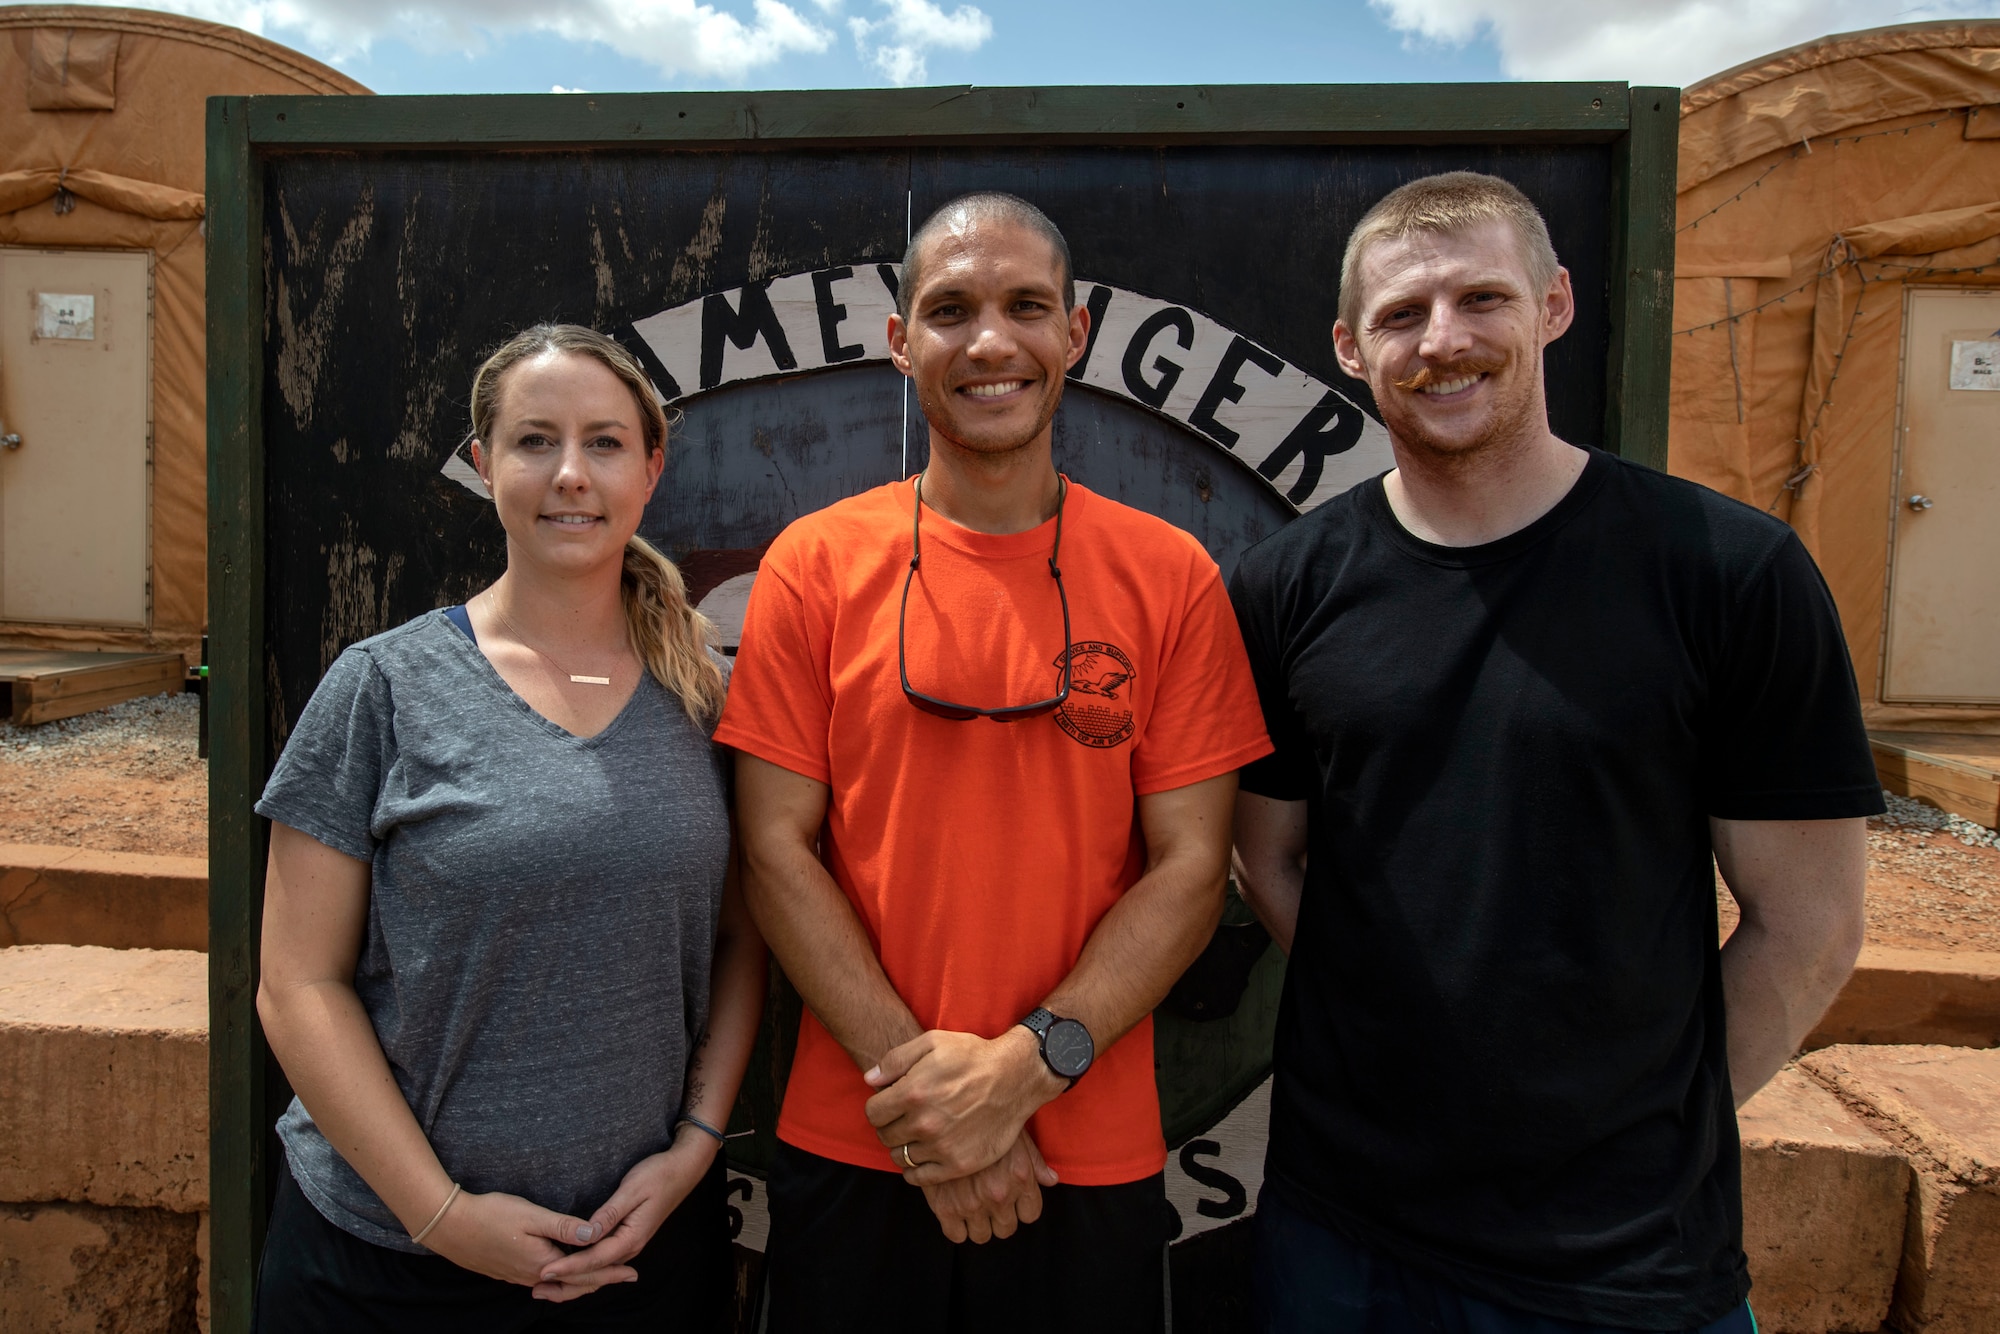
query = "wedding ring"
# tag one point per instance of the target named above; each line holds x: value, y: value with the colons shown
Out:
x: 908, y: 1161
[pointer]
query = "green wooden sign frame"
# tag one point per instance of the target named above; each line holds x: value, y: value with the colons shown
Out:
x: 1640, y: 124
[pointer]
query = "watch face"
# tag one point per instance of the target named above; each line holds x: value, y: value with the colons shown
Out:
x: 1069, y: 1048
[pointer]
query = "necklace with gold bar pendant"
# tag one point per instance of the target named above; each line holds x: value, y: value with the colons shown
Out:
x: 573, y: 676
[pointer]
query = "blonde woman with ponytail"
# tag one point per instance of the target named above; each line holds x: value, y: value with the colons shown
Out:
x: 505, y: 963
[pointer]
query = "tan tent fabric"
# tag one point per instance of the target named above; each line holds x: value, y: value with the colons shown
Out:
x: 19, y: 189
x: 135, y: 171
x: 1791, y: 266
x: 1832, y: 86
x: 71, y: 70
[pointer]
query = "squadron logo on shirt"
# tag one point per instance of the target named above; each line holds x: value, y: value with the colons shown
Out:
x: 1098, y: 711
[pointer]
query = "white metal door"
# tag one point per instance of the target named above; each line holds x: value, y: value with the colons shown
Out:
x: 1943, y: 643
x: 76, y: 333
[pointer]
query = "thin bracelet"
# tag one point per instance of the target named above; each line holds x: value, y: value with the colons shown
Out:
x: 438, y: 1216
x: 701, y: 1125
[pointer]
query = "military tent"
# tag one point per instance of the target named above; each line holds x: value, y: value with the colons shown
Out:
x: 1836, y: 356
x: 102, y: 331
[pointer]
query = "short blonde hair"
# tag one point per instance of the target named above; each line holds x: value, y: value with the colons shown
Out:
x: 1441, y: 205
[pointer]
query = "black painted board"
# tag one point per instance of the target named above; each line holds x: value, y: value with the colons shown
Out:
x: 747, y: 459
x: 388, y: 276
x: 384, y: 269
x: 1253, y: 237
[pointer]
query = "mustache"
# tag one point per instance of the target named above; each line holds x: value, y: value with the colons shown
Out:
x: 1426, y: 376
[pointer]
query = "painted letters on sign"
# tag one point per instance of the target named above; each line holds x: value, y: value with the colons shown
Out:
x: 780, y: 326
x: 1305, y: 438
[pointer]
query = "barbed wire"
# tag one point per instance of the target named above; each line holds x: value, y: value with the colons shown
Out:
x: 1806, y: 468
x: 1690, y: 226
x: 1804, y: 148
x: 1748, y: 311
x: 1851, y: 261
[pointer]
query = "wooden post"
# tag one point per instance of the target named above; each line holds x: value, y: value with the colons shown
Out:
x: 1638, y: 372
x: 238, y: 1126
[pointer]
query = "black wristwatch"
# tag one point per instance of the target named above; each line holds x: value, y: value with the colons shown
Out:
x: 1066, y: 1045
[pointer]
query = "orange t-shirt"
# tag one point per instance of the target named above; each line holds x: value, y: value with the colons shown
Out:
x: 979, y: 855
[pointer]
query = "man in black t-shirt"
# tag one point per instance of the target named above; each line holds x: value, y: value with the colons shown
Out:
x: 1526, y: 697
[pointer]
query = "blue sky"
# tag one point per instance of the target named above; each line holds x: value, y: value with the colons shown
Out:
x: 465, y: 46
x: 1033, y: 42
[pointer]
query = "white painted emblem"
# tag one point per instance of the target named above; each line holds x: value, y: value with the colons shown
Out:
x: 1305, y: 438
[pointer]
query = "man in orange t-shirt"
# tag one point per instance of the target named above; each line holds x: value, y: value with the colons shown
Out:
x: 988, y: 725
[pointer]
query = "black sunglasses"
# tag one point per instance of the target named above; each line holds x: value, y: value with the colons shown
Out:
x: 958, y: 713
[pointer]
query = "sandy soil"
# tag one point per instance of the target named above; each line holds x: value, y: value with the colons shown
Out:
x: 1928, y: 891
x: 127, y: 779
x: 123, y: 779
x: 1928, y: 887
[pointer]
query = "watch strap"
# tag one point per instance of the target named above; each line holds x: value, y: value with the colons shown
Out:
x: 1039, y: 1021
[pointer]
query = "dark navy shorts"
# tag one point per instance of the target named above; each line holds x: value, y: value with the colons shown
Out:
x: 1309, y: 1279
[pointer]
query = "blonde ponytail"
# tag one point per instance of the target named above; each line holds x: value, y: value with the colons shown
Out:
x: 671, y: 637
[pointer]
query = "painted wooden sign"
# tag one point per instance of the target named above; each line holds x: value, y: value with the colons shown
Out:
x: 365, y: 253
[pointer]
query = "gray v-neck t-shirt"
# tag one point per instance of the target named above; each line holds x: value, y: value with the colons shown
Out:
x: 541, y: 916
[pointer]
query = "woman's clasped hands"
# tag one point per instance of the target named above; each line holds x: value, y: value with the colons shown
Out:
x: 517, y: 1241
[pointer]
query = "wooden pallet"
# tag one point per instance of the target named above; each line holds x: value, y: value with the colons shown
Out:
x: 1954, y: 771
x: 40, y: 686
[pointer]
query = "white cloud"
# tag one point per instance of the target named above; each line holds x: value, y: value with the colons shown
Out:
x: 675, y: 36
x: 558, y: 88
x: 1675, y: 42
x: 896, y: 43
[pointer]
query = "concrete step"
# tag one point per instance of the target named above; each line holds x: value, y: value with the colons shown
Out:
x: 1916, y: 996
x: 1824, y: 1204
x: 105, y: 1098
x: 125, y: 900
x: 82, y: 1268
x: 122, y: 900
x: 1941, y: 1107
x: 103, y: 1139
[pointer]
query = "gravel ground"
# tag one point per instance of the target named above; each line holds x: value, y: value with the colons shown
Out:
x: 126, y: 779
x: 1933, y: 880
x: 1907, y: 814
x: 163, y: 725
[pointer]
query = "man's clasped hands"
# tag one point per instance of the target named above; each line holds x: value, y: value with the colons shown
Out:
x: 957, y: 1107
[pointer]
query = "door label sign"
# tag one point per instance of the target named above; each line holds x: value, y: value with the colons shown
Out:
x: 1975, y: 364
x: 69, y: 315
x: 1306, y: 439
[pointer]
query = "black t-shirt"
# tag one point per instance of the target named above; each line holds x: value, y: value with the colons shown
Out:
x: 1500, y: 1055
